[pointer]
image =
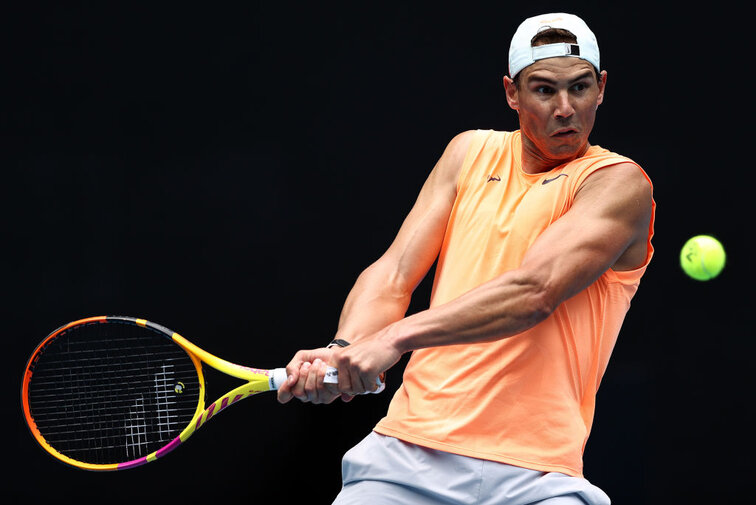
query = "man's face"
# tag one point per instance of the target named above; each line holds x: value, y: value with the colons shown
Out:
x: 557, y: 100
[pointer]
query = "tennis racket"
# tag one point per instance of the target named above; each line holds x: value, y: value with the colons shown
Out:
x: 113, y: 393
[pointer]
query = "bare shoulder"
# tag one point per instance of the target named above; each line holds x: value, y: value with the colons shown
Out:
x: 622, y: 195
x: 622, y: 184
x: 454, y: 155
x: 461, y: 141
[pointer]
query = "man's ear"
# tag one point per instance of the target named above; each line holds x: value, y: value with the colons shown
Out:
x: 512, y: 95
x: 602, y: 87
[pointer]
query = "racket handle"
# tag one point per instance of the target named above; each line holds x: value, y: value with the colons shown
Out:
x: 278, y: 378
x: 332, y: 377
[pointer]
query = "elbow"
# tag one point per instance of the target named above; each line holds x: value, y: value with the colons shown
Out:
x: 538, y: 303
x: 539, y: 308
x: 388, y: 279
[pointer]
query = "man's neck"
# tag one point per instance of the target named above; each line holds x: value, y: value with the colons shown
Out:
x: 535, y: 161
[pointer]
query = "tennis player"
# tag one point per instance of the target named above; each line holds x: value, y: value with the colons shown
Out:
x: 541, y: 240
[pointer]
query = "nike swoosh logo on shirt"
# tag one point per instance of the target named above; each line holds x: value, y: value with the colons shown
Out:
x: 546, y: 181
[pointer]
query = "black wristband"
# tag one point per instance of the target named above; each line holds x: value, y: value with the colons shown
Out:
x: 339, y: 342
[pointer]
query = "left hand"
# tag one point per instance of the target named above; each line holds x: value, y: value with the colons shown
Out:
x: 305, y: 378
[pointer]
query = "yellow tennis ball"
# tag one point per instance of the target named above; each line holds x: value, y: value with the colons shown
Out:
x: 702, y: 257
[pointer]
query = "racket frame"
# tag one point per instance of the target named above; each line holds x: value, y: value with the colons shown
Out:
x: 257, y: 381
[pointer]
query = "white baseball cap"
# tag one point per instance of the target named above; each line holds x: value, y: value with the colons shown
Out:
x: 522, y: 54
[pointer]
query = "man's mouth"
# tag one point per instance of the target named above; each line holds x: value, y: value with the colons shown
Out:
x: 564, y: 132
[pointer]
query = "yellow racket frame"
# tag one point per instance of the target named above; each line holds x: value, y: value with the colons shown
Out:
x: 258, y: 381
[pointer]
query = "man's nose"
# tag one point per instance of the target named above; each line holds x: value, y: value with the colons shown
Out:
x: 564, y: 108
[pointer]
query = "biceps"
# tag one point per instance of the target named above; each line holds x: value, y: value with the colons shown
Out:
x: 419, y: 240
x: 610, y: 214
x: 573, y: 252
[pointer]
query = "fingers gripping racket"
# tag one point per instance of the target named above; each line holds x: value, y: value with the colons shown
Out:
x: 112, y: 392
x: 332, y: 377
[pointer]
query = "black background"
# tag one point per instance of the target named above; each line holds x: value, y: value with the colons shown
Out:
x: 227, y: 171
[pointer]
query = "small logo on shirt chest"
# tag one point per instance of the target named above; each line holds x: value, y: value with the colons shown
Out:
x: 546, y: 181
x: 493, y: 178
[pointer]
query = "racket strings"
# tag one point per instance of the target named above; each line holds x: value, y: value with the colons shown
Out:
x: 112, y: 392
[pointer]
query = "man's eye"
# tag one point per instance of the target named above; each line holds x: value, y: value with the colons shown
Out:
x: 580, y: 86
x: 543, y: 90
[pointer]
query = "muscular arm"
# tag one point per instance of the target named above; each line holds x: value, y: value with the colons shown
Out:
x: 606, y: 227
x: 382, y: 292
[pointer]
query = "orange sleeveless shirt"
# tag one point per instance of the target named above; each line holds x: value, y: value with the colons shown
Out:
x: 526, y: 400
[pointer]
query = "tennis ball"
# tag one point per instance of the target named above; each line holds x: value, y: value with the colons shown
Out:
x: 702, y: 257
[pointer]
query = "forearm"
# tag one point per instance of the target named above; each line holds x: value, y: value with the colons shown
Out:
x: 506, y: 306
x: 503, y: 307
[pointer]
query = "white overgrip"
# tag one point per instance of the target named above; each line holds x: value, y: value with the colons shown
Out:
x: 332, y: 377
x: 278, y: 378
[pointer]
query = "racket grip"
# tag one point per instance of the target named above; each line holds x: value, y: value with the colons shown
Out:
x: 332, y: 377
x: 277, y: 378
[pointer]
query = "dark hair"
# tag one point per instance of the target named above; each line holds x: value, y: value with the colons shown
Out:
x: 552, y: 36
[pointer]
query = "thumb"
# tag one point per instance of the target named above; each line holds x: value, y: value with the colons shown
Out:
x: 292, y: 369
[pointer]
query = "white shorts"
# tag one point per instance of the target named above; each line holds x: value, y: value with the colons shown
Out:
x: 383, y: 470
